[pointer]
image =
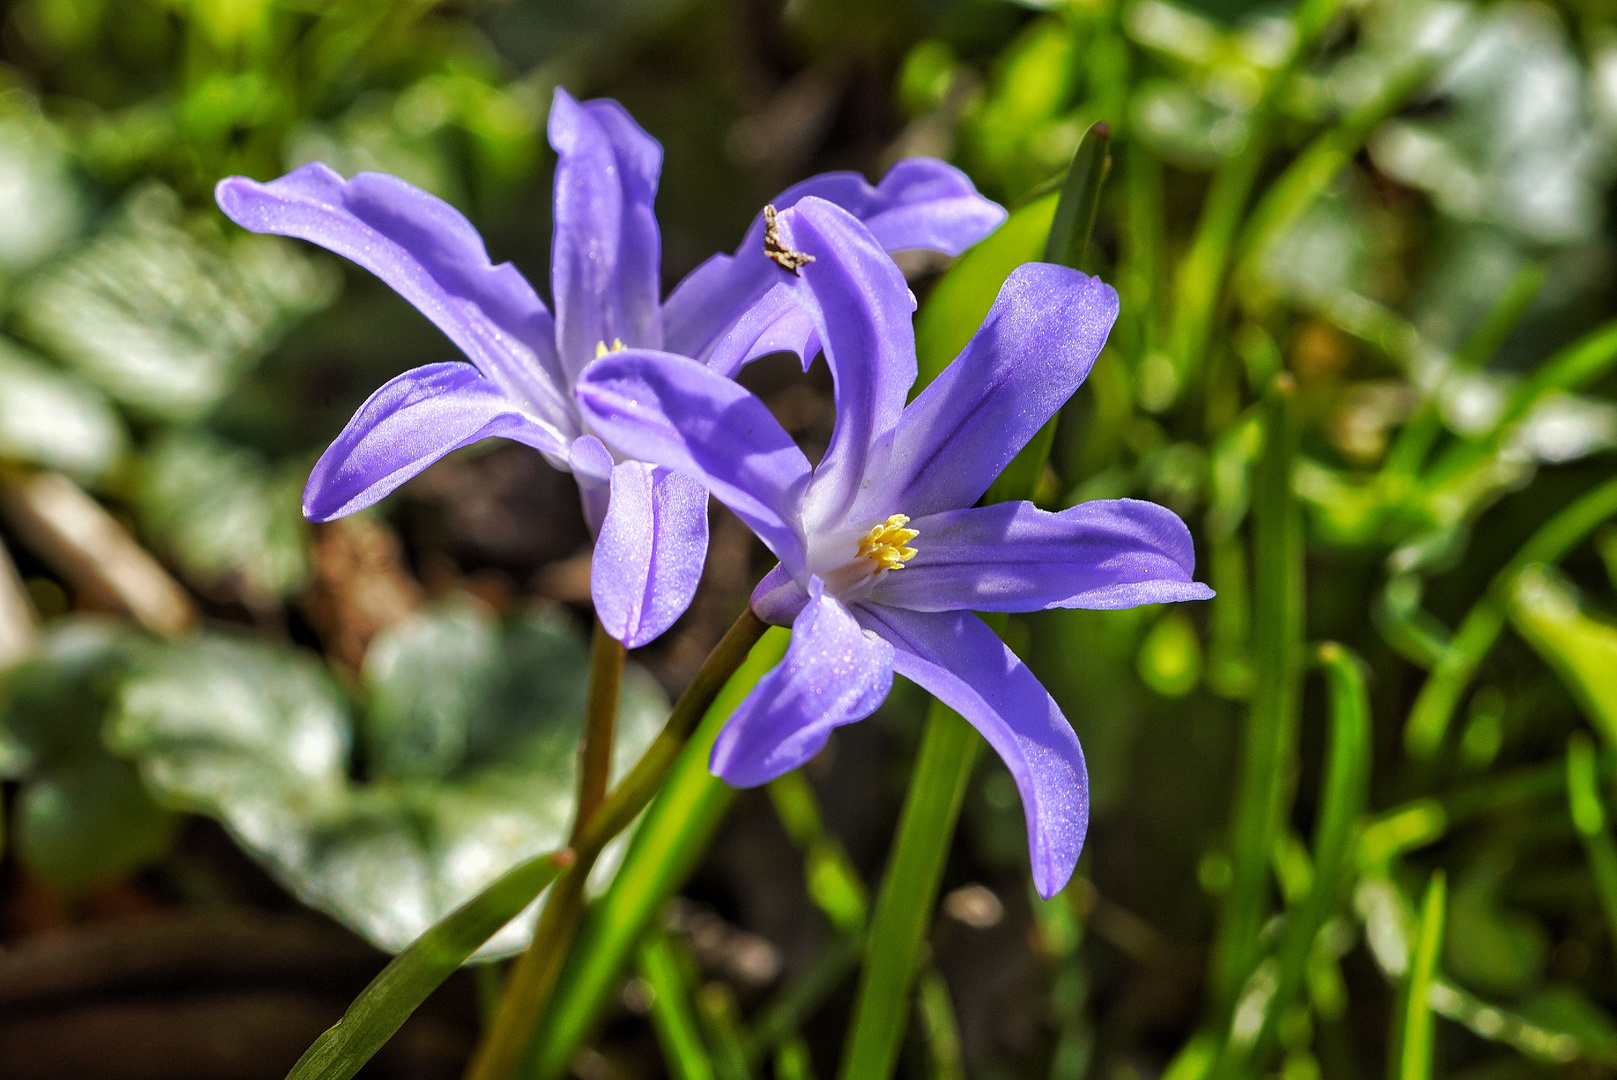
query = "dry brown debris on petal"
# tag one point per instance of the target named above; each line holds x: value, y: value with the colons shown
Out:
x: 783, y: 256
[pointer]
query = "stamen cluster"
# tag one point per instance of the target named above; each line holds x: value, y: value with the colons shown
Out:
x: 884, y: 544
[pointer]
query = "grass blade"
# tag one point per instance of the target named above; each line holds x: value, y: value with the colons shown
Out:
x: 1414, y: 1057
x: 1434, y: 707
x: 671, y: 1014
x: 1589, y: 818
x: 383, y: 1007
x: 1271, y: 733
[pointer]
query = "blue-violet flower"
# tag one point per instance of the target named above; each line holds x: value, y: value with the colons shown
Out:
x: 650, y: 523
x: 884, y: 555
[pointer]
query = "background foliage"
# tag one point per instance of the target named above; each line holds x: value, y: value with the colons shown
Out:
x: 1388, y: 855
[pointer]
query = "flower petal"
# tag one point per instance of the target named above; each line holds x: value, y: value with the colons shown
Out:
x: 1113, y: 553
x: 1033, y: 350
x: 834, y: 673
x: 430, y: 254
x: 776, y: 323
x: 861, y: 310
x: 649, y: 557
x: 674, y: 412
x: 606, y: 255
x: 920, y: 203
x: 591, y: 465
x: 960, y: 661
x: 408, y: 424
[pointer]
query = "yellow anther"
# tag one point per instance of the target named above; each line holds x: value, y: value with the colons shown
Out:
x: 601, y: 349
x: 884, y: 544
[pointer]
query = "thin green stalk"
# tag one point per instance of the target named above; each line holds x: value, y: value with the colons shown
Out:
x: 1589, y: 818
x: 607, y: 657
x: 1439, y: 696
x: 671, y: 1015
x: 904, y: 906
x: 534, y: 977
x: 383, y: 1006
x: 792, y: 1061
x: 1265, y: 781
x: 942, y: 1029
x: 1342, y: 799
x: 720, y: 1017
x: 664, y: 849
x: 1413, y: 1061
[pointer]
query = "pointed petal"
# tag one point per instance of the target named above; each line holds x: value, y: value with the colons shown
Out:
x: 430, y: 254
x: 920, y: 203
x: 834, y: 673
x: 861, y: 310
x: 776, y: 323
x: 606, y: 255
x: 407, y: 425
x: 960, y: 661
x: 1033, y: 350
x: 1112, y: 553
x: 649, y: 557
x: 674, y: 412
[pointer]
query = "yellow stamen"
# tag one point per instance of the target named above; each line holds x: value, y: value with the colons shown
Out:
x: 601, y: 349
x: 884, y: 544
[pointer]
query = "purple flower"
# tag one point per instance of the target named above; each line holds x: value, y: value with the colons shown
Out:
x: 650, y: 523
x: 883, y: 555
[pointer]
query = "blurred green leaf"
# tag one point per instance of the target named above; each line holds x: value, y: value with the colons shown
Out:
x: 1490, y: 947
x: 461, y: 786
x: 223, y: 512
x: 1170, y: 658
x: 42, y: 208
x: 82, y: 816
x: 1582, y: 650
x: 163, y: 313
x: 89, y: 819
x: 48, y: 418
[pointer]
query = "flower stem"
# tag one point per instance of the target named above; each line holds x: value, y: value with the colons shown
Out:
x: 1271, y: 731
x: 607, y: 656
x: 534, y: 976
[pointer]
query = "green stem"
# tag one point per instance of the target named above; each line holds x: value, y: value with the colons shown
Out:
x: 1270, y: 746
x: 534, y: 976
x: 1341, y: 801
x: 671, y: 1015
x: 676, y: 828
x: 1414, y: 1058
x: 942, y: 1029
x: 607, y: 656
x: 1589, y: 818
x: 1439, y: 696
x: 904, y: 906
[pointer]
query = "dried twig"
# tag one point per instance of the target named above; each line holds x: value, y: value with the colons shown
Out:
x: 18, y: 627
x: 76, y: 537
